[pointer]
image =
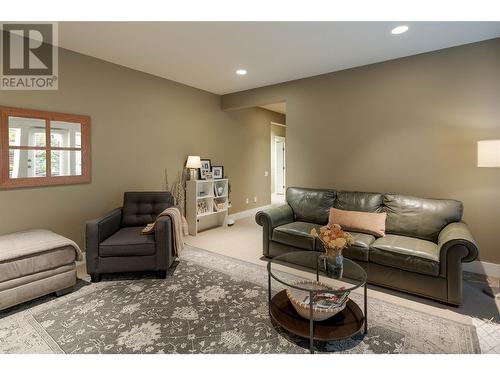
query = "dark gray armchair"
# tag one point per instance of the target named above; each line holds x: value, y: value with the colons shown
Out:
x: 114, y: 243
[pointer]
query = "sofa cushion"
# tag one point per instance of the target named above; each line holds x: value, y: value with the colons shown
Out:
x: 310, y: 205
x: 296, y: 234
x: 142, y: 208
x: 359, y: 201
x: 358, y: 221
x: 359, y: 250
x: 406, y: 253
x: 420, y: 217
x: 128, y: 242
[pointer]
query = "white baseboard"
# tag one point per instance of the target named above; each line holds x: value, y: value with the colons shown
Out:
x: 247, y: 213
x: 482, y: 268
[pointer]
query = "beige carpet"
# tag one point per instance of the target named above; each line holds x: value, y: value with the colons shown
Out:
x: 243, y: 241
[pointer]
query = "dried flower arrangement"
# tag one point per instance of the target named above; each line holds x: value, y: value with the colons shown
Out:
x: 333, y: 238
x: 178, y: 189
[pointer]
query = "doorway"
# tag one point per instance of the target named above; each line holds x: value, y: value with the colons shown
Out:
x: 280, y: 167
x: 278, y: 163
x: 277, y: 152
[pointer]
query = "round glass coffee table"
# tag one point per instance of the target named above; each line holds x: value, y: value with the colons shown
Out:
x: 345, y: 324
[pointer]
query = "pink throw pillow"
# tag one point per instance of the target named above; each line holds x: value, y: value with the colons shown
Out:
x: 357, y: 221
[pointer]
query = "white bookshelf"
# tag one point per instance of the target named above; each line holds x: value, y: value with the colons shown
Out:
x: 207, y: 204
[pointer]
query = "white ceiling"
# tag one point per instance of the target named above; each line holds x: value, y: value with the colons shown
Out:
x: 206, y: 54
x: 276, y: 107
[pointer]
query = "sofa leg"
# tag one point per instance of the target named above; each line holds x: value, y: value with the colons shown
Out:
x: 62, y: 292
x: 162, y: 274
x: 95, y: 277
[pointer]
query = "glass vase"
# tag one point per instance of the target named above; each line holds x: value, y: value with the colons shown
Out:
x: 334, y: 265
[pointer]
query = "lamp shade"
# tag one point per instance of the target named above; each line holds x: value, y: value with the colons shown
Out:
x: 193, y: 162
x: 488, y: 153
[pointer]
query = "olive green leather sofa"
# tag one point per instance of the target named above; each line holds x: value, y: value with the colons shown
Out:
x: 422, y: 252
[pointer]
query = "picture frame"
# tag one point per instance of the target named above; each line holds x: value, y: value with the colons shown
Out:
x: 209, y: 176
x: 202, y: 207
x: 206, y: 166
x: 218, y: 172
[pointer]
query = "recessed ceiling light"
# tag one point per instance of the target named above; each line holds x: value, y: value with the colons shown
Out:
x: 399, y: 30
x: 241, y: 72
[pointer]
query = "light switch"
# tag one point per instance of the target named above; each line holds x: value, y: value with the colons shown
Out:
x: 266, y: 173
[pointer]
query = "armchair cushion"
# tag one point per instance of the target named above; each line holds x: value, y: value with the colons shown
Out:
x: 142, y: 208
x: 128, y: 242
x: 406, y: 253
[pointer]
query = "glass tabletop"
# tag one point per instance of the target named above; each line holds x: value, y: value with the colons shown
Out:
x: 351, y: 273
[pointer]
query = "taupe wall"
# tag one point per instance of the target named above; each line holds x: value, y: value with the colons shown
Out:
x: 408, y: 125
x: 252, y: 147
x: 141, y: 125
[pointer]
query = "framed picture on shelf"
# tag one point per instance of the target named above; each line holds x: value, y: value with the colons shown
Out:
x: 206, y: 166
x: 218, y: 190
x: 202, y: 207
x: 209, y: 176
x: 218, y: 172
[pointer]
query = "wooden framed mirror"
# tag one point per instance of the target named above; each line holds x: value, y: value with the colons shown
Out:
x: 39, y: 148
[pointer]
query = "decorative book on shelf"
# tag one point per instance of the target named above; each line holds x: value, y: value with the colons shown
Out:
x: 207, y: 203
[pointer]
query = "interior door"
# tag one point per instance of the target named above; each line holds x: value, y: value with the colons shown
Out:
x: 279, y: 147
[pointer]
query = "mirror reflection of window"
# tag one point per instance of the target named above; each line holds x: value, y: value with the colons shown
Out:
x: 27, y: 132
x: 43, y: 144
x: 68, y: 135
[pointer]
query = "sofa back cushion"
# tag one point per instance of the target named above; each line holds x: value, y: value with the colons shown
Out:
x: 142, y: 208
x: 310, y: 205
x: 359, y: 201
x: 419, y: 217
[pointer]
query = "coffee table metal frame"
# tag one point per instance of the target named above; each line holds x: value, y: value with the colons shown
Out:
x: 320, y: 256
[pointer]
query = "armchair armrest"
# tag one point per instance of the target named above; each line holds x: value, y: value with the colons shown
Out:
x: 274, y: 217
x: 98, y: 230
x: 456, y: 235
x: 164, y: 243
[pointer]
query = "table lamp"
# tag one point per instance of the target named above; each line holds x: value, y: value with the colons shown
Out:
x: 193, y: 164
x: 488, y: 155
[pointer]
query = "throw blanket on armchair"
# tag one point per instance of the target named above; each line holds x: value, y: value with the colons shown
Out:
x: 21, y: 244
x: 178, y: 226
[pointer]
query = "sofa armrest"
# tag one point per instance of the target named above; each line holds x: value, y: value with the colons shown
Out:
x: 98, y: 230
x: 456, y: 245
x: 270, y: 219
x: 456, y: 235
x: 274, y: 217
x: 164, y: 243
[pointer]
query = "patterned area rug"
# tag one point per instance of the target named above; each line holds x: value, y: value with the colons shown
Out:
x: 208, y: 304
